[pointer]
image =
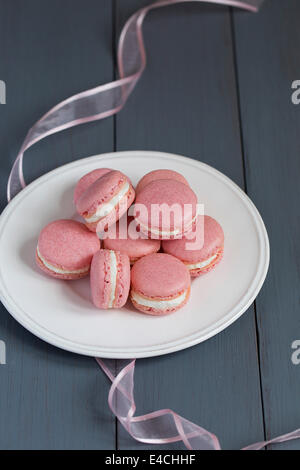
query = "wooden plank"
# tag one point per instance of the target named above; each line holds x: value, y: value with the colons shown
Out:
x: 268, y: 62
x: 186, y: 103
x: 51, y: 399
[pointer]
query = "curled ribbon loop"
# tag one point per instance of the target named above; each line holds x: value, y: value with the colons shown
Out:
x: 163, y: 426
x: 104, y: 100
x: 158, y: 427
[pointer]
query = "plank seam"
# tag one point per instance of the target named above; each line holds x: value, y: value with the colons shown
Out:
x: 238, y: 95
x: 114, y: 73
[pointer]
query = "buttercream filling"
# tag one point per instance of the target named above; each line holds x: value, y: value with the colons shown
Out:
x: 203, y: 264
x: 59, y: 270
x: 113, y: 278
x: 104, y: 209
x: 164, y: 232
x: 159, y: 304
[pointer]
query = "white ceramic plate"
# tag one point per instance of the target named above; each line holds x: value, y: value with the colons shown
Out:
x: 61, y: 312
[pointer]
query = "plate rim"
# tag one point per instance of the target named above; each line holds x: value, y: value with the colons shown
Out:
x: 172, y: 346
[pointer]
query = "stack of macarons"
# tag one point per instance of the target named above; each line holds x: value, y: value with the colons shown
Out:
x: 148, y: 256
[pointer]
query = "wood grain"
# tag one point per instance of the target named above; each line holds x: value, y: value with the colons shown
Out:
x: 186, y: 103
x: 217, y: 88
x: 51, y: 399
x: 268, y: 62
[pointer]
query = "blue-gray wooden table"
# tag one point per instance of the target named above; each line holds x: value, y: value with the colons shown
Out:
x: 218, y: 89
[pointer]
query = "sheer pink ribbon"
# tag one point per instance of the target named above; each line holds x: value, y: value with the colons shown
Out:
x: 163, y: 426
x: 104, y: 100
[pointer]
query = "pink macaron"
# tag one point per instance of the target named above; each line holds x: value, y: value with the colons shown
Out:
x: 106, y: 200
x: 165, y: 209
x: 110, y: 279
x: 202, y: 251
x: 127, y: 239
x: 160, y: 284
x: 87, y: 180
x: 65, y: 249
x: 160, y: 175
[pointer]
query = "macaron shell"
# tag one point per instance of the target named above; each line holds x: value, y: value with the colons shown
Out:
x: 68, y: 245
x: 65, y: 277
x: 100, y: 280
x: 166, y: 194
x: 134, y: 248
x: 115, y: 215
x: 123, y: 281
x: 210, y: 236
x: 87, y: 180
x: 158, y: 312
x: 159, y: 276
x: 101, y: 192
x: 199, y: 272
x: 160, y: 175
